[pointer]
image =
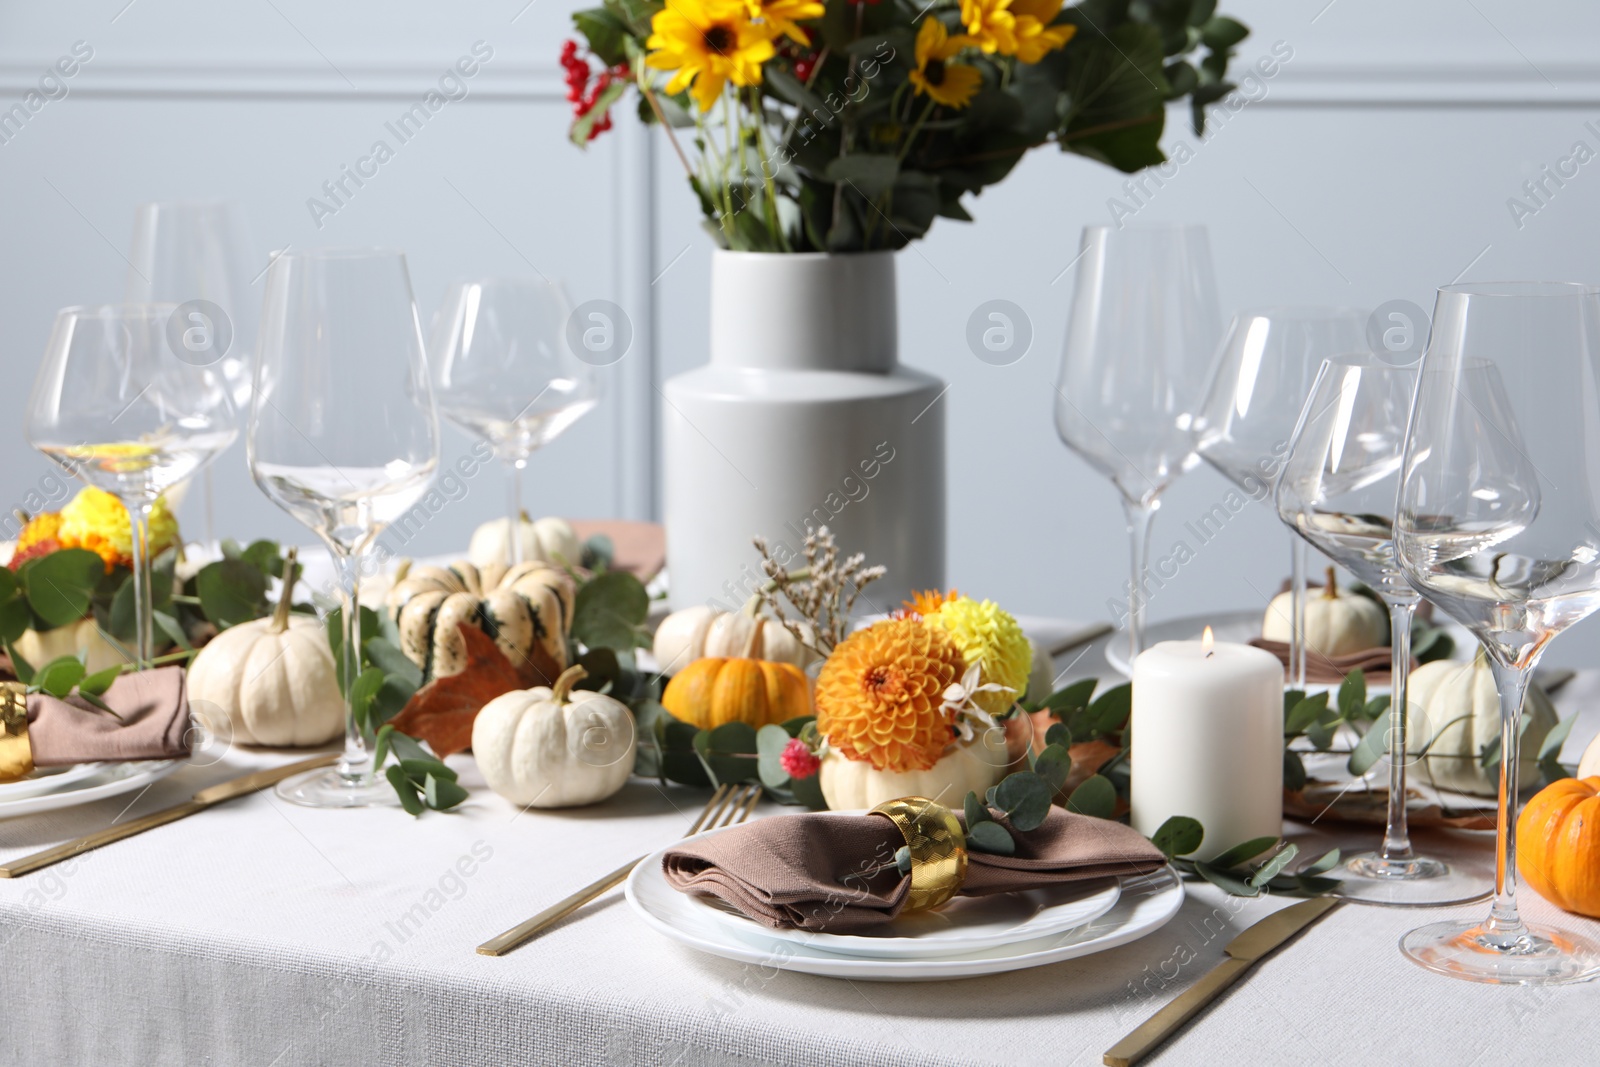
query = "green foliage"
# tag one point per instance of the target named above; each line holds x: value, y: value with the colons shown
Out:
x: 1247, y: 869
x: 610, y: 611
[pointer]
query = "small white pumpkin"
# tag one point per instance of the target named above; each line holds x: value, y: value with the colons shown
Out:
x: 1446, y: 690
x: 966, y: 766
x: 1589, y: 765
x: 1337, y: 623
x: 81, y: 638
x: 554, y: 748
x: 697, y: 632
x: 548, y: 540
x: 269, y: 681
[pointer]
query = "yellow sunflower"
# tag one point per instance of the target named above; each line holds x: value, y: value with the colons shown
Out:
x: 1035, y: 36
x: 951, y: 84
x: 709, y: 43
x: 782, y: 15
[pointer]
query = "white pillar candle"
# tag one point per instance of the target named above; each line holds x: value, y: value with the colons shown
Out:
x: 1207, y: 741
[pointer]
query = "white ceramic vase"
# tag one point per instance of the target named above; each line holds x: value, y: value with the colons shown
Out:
x: 804, y: 417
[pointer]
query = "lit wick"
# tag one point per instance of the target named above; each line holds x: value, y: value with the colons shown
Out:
x: 1206, y: 641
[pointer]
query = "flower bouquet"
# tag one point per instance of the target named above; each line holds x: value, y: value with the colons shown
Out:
x: 851, y: 125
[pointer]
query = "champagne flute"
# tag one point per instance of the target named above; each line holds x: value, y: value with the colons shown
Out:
x: 196, y: 254
x: 343, y: 436
x: 117, y: 404
x: 1337, y: 491
x: 503, y: 370
x: 1143, y: 328
x: 1497, y: 525
x: 1263, y: 374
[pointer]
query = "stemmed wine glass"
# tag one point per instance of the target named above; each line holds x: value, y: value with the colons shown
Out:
x: 1143, y: 328
x: 343, y: 436
x: 1337, y: 491
x: 1263, y: 374
x: 117, y: 404
x: 196, y: 254
x: 503, y: 370
x: 1497, y: 526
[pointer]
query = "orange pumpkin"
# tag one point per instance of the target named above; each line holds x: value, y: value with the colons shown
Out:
x: 714, y: 690
x: 1558, y: 844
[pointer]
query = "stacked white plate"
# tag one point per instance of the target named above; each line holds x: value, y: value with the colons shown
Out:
x: 970, y: 936
x: 50, y: 788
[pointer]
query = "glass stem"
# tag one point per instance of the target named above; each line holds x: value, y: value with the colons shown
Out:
x: 355, y: 766
x: 514, y: 510
x: 1139, y: 514
x: 1397, y: 835
x: 1298, y: 550
x: 143, y: 607
x: 1505, y: 931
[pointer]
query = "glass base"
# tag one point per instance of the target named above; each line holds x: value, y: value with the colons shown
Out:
x: 1543, y: 956
x: 1419, y: 882
x: 330, y: 789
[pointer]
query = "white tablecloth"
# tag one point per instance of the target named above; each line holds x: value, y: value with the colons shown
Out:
x: 262, y: 933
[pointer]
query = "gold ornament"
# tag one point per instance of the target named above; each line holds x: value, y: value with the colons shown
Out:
x: 938, y: 849
x: 16, y: 752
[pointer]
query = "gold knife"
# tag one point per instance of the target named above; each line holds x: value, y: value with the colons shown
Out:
x: 207, y: 797
x: 1244, y: 952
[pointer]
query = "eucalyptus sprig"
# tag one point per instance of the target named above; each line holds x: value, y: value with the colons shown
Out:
x: 1245, y: 870
x: 67, y: 676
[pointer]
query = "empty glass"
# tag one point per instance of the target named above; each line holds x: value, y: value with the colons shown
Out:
x: 1143, y: 329
x: 121, y: 404
x: 1497, y: 526
x: 503, y: 370
x: 1263, y: 374
x: 1337, y: 491
x: 343, y: 436
x: 197, y: 254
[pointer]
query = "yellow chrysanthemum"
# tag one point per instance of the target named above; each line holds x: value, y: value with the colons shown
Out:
x: 1018, y: 28
x: 709, y: 43
x: 1035, y: 35
x: 880, y: 696
x: 96, y: 520
x: 987, y: 635
x: 950, y: 84
x: 783, y: 15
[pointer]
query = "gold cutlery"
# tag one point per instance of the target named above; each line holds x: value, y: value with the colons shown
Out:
x: 207, y: 797
x: 1244, y: 952
x: 728, y: 805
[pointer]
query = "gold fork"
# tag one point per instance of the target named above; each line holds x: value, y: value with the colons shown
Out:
x: 728, y: 806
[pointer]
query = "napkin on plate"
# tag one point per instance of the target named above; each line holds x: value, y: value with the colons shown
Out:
x: 836, y: 873
x: 153, y: 704
x: 1330, y: 670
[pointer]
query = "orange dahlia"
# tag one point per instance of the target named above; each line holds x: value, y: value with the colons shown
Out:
x: 924, y: 602
x: 40, y: 537
x: 880, y: 695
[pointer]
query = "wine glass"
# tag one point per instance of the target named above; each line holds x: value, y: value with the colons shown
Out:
x: 117, y: 403
x: 196, y: 253
x: 343, y: 436
x: 503, y: 370
x: 1337, y: 491
x: 1263, y: 373
x: 1497, y: 526
x: 1144, y: 325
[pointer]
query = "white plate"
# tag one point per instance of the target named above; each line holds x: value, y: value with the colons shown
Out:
x: 113, y: 779
x: 49, y: 780
x: 1146, y: 903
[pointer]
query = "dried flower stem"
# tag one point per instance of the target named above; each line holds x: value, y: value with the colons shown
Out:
x: 822, y: 593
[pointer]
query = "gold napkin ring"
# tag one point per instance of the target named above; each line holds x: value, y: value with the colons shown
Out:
x: 937, y: 846
x: 16, y: 753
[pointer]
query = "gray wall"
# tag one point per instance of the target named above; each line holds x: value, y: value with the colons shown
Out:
x: 1375, y: 165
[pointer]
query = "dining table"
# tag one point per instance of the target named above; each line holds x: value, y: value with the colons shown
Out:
x: 259, y: 932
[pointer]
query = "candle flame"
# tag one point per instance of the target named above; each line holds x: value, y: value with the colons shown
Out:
x: 1207, y: 640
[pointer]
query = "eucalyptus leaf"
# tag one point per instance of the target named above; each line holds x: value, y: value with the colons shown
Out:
x: 59, y: 676
x: 1225, y: 880
x: 1270, y: 869
x: 1372, y: 746
x: 1053, y: 764
x: 381, y: 653
x: 975, y: 810
x: 1304, y: 714
x: 231, y: 591
x: 770, y: 742
x: 1110, y: 710
x: 442, y: 793
x: 1096, y: 796
x: 1557, y: 737
x: 1178, y: 836
x: 1025, y: 799
x: 1294, y: 771
x: 1321, y: 865
x: 418, y: 769
x: 59, y: 586
x: 406, y: 747
x: 1074, y: 697
x: 1353, y: 694
x: 380, y: 747
x: 410, y: 799
x: 362, y: 693
x: 1248, y: 850
x: 22, y: 668
x: 610, y: 611
x: 98, y: 682
x: 990, y: 837
x: 1058, y: 734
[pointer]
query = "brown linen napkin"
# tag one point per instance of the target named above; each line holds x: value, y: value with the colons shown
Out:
x: 154, y: 706
x: 836, y: 873
x: 1330, y: 670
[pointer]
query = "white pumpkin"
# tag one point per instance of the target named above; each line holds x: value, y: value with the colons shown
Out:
x: 1446, y: 690
x: 693, y: 633
x: 549, y: 540
x: 269, y: 681
x: 81, y: 638
x: 970, y: 766
x: 1041, y: 676
x: 554, y: 748
x: 1589, y: 765
x: 1337, y: 623
x: 526, y: 609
